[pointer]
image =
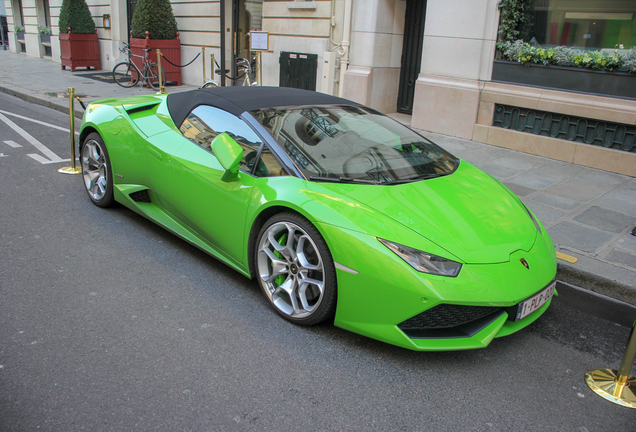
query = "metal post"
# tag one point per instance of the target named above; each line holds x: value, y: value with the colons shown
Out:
x: 203, y: 62
x: 260, y: 68
x: 71, y: 106
x: 222, y: 43
x: 162, y: 85
x: 212, y: 73
x: 619, y: 386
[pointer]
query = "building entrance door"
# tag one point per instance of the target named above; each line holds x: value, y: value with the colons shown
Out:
x: 247, y: 15
x: 411, y: 53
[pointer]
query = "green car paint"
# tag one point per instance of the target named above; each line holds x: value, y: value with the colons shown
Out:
x: 466, y: 216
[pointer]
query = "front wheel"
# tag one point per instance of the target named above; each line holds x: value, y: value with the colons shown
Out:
x: 153, y: 76
x: 96, y: 171
x: 295, y: 270
x: 125, y: 74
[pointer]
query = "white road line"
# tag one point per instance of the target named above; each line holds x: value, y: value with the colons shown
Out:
x: 37, y: 121
x: 12, y: 144
x: 34, y: 142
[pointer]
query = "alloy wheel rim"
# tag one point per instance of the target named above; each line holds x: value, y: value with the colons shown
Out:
x: 291, y: 270
x: 94, y: 170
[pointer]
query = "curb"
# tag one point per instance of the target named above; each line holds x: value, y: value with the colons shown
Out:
x: 595, y: 283
x: 79, y: 112
x: 599, y: 305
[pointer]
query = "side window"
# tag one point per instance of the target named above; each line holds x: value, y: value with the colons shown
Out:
x: 268, y: 165
x: 205, y: 123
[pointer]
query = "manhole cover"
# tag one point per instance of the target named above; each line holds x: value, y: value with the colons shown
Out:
x: 64, y: 95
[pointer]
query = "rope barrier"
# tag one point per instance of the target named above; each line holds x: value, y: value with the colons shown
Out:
x: 182, y: 66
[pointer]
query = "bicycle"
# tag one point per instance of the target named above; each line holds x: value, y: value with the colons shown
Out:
x: 127, y: 74
x: 243, y: 65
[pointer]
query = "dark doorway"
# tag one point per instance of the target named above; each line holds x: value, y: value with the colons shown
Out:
x: 247, y: 15
x: 411, y: 53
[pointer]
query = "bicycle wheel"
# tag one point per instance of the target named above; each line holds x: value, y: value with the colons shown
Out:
x: 210, y: 84
x: 126, y: 74
x: 152, y: 76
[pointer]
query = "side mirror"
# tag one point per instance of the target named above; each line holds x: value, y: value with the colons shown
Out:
x: 229, y: 153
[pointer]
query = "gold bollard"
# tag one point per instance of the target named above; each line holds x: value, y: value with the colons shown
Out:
x: 203, y: 62
x: 260, y: 68
x: 162, y: 85
x: 73, y: 169
x: 618, y: 387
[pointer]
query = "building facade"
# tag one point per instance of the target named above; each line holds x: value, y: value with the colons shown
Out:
x: 436, y: 60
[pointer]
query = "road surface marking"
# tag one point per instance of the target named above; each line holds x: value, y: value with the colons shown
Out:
x: 52, y: 157
x: 12, y: 144
x: 567, y: 258
x: 65, y: 129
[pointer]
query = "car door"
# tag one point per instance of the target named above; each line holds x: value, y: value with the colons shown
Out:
x: 190, y: 186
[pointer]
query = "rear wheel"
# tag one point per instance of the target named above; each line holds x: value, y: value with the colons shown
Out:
x: 295, y: 270
x: 125, y: 74
x: 96, y: 171
x: 154, y: 76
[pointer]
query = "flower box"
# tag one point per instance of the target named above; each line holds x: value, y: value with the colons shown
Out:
x: 170, y: 49
x: 79, y: 50
x: 616, y: 84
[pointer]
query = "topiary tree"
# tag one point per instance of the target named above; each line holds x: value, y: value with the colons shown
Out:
x: 156, y: 17
x: 75, y: 14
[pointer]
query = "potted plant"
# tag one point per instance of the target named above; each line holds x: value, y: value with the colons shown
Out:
x: 19, y: 32
x: 45, y: 34
x: 79, y: 44
x: 153, y: 27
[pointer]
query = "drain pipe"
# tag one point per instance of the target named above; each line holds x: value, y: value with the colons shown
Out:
x: 346, y: 43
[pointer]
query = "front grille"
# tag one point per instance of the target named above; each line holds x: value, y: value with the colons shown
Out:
x: 140, y: 196
x: 446, y: 320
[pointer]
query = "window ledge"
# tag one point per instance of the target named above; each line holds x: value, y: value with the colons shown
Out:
x: 302, y: 5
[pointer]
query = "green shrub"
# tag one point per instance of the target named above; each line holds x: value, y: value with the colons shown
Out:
x: 629, y: 60
x: 75, y: 14
x: 156, y: 17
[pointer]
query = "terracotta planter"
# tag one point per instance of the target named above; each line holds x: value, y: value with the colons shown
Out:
x: 170, y: 49
x: 79, y: 50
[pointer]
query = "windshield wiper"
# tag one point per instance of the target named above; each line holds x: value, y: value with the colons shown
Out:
x: 342, y: 180
x: 416, y: 177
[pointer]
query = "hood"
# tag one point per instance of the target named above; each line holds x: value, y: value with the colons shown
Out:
x: 467, y: 213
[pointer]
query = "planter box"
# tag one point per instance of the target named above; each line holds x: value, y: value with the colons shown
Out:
x: 20, y: 36
x: 44, y: 38
x: 170, y: 48
x: 79, y: 50
x: 616, y: 84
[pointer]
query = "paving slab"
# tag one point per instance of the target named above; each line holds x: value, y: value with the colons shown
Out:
x: 606, y: 220
x: 578, y: 205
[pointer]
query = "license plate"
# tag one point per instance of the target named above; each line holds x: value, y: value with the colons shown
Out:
x: 530, y: 305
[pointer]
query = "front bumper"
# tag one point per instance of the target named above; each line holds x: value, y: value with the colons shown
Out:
x: 386, y: 293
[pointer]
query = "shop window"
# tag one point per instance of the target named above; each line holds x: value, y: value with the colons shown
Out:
x: 593, y: 25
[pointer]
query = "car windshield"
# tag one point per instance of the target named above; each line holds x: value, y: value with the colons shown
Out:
x: 353, y: 144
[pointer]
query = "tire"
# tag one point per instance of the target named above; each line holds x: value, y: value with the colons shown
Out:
x: 125, y: 74
x: 154, y: 77
x: 96, y: 171
x: 209, y: 84
x: 298, y: 277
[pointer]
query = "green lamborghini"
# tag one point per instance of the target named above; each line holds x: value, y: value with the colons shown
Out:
x: 340, y: 213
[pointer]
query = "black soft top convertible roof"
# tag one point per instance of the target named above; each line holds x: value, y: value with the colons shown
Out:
x: 237, y: 100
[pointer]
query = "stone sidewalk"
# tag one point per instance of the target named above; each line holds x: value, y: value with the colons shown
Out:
x: 589, y: 213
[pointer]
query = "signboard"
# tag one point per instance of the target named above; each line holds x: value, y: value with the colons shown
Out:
x: 259, y: 41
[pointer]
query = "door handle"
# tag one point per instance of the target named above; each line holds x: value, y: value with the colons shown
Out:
x: 156, y: 153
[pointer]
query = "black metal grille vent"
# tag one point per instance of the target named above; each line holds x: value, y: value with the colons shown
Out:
x: 571, y: 128
x: 446, y: 316
x: 450, y: 321
x: 140, y: 196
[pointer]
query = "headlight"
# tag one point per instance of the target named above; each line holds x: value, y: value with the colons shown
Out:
x: 424, y: 262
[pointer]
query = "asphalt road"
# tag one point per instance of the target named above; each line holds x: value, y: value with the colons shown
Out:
x: 108, y: 322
